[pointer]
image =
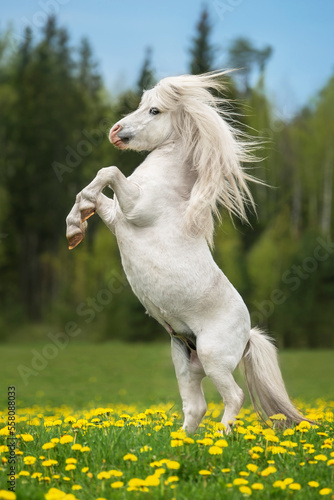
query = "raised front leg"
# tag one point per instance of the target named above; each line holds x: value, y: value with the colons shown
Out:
x: 91, y: 200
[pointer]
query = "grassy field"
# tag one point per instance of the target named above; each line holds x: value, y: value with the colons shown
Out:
x: 132, y: 373
x: 102, y: 422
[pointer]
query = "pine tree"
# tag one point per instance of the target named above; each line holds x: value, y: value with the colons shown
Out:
x: 202, y: 52
x: 146, y: 78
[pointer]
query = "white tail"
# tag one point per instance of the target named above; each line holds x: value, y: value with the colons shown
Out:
x: 264, y: 379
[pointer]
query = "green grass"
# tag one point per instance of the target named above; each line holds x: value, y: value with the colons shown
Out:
x: 116, y: 372
x: 83, y: 377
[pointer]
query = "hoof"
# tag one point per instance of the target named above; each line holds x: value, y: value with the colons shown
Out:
x: 74, y: 241
x: 85, y: 214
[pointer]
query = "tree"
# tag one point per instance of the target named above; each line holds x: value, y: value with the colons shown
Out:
x: 202, y: 51
x: 243, y: 55
x: 146, y: 78
x: 47, y: 123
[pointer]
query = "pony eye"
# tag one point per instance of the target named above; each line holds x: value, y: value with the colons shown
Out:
x: 154, y: 111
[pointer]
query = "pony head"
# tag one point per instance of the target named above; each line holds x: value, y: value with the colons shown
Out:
x: 186, y: 109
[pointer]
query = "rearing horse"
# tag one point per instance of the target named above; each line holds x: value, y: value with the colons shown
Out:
x: 163, y: 218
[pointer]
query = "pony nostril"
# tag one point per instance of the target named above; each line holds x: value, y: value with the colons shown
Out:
x: 114, y: 131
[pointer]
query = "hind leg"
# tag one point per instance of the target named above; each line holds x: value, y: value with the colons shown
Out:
x: 189, y: 373
x: 219, y: 359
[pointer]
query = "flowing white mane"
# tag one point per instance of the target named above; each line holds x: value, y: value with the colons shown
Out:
x: 213, y: 147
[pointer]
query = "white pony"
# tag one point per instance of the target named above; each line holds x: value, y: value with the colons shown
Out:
x: 162, y: 217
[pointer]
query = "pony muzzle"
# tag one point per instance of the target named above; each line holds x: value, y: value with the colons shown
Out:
x: 118, y: 138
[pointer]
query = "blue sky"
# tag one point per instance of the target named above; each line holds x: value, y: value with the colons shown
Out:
x: 301, y: 33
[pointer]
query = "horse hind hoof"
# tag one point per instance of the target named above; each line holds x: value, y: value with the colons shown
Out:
x: 74, y: 241
x: 86, y: 213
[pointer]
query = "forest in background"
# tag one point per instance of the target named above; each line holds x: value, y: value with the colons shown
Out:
x: 54, y: 121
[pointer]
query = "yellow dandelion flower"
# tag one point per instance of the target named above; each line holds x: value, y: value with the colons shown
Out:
x: 269, y: 470
x: 103, y: 475
x: 71, y: 461
x: 136, y: 482
x: 245, y: 490
x: 85, y: 469
x: 48, y: 446
x: 70, y: 467
x: 131, y: 457
x: 325, y: 491
x: 313, y: 484
x: 278, y: 416
x: 222, y: 443
x: 279, y: 484
x: 252, y: 467
x: 226, y: 470
x: 172, y: 479
x: 115, y: 473
x: 173, y: 465
x: 271, y: 438
x: 49, y: 463
x: 176, y: 442
x: 27, y: 437
x: 330, y: 461
x: 288, y: 432
x: 241, y: 430
x: 117, y: 484
x: 240, y: 481
x: 70, y: 420
x: 7, y: 495
x: 204, y: 472
x: 257, y: 486
x: 215, y: 450
x: 294, y: 486
x: 257, y: 449
x: 249, y: 437
x: 76, y: 487
x: 152, y: 480
x: 159, y: 471
x: 55, y: 494
x: 188, y: 440
x: 4, y: 432
x: 55, y: 440
x: 84, y: 449
x: 24, y: 473
x: 323, y: 458
x: 76, y: 447
x: 205, y: 441
x: 66, y: 439
x: 29, y: 460
x: 288, y: 444
x: 36, y: 474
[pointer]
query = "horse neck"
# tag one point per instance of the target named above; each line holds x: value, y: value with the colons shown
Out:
x: 170, y: 161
